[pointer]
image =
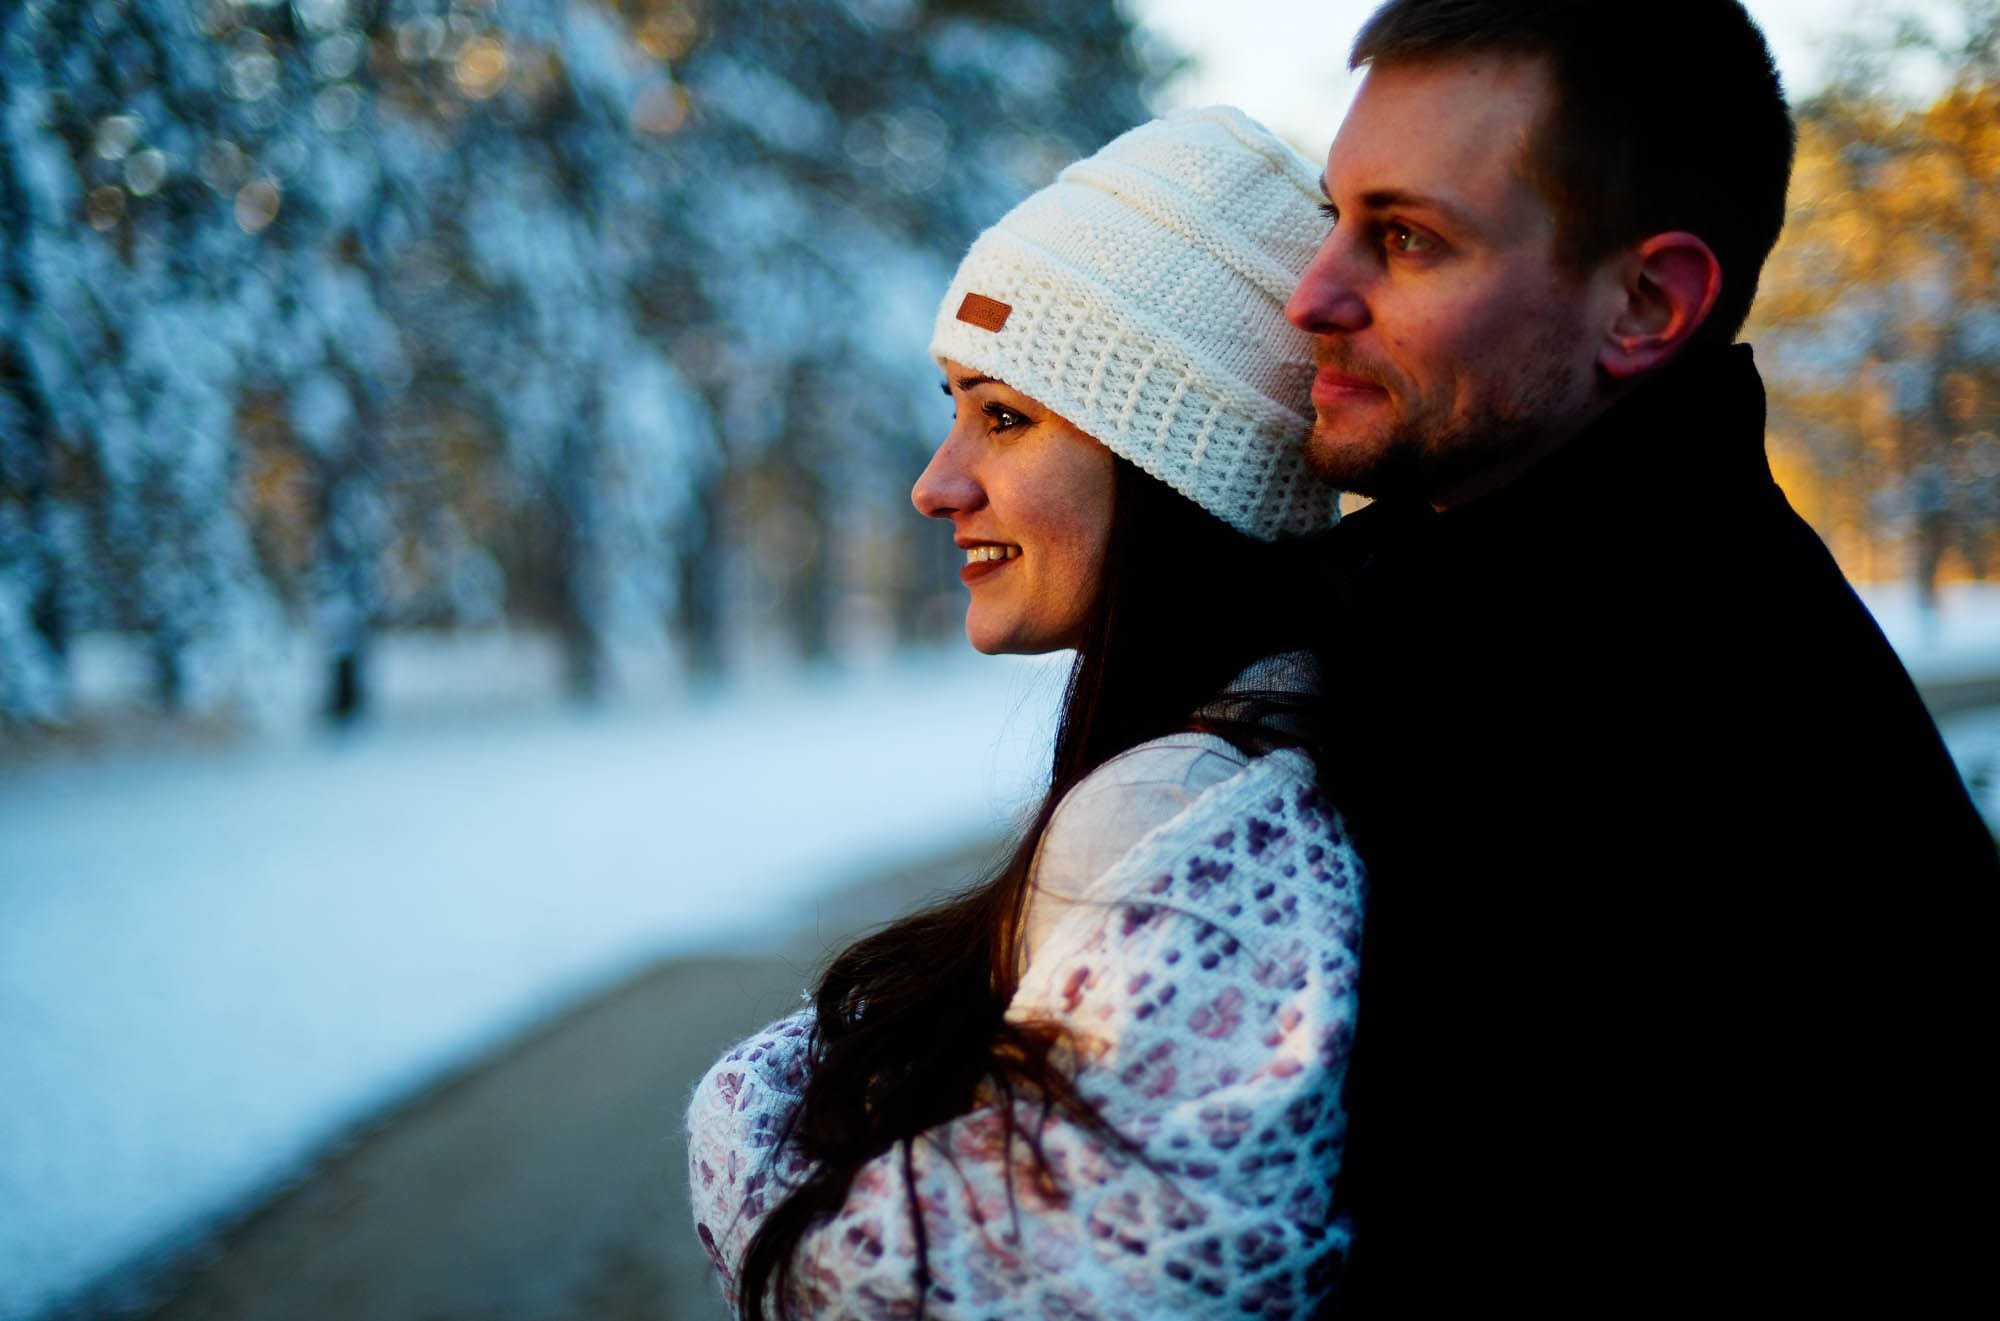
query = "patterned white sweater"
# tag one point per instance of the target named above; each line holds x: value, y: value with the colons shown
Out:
x: 1208, y: 976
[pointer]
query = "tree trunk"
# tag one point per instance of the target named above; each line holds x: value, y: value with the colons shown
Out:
x: 1931, y: 510
x: 577, y: 578
x: 347, y: 689
x: 34, y: 479
x: 815, y: 586
x: 168, y: 655
x: 351, y: 537
x: 698, y: 600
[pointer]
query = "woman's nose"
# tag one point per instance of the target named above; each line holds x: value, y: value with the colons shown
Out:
x: 946, y: 486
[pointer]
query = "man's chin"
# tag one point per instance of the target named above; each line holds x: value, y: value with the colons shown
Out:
x: 1366, y: 465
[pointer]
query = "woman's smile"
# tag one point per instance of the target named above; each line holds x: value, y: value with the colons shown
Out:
x: 983, y: 561
x: 974, y: 554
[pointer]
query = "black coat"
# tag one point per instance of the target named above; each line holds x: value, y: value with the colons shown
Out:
x: 1672, y: 970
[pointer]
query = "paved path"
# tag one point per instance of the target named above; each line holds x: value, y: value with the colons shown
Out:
x: 550, y: 1183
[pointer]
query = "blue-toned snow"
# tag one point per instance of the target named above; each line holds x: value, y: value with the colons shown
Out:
x: 211, y: 966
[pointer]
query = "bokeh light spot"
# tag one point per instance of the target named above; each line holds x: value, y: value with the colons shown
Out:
x: 419, y: 39
x: 145, y: 171
x: 866, y: 142
x: 105, y: 206
x: 671, y: 34
x: 337, y: 56
x: 661, y: 109
x: 257, y: 204
x: 336, y: 108
x: 915, y: 135
x: 252, y: 72
x: 223, y: 165
x: 481, y: 68
x: 116, y: 135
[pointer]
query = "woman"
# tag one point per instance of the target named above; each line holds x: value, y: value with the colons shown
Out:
x: 1105, y: 1083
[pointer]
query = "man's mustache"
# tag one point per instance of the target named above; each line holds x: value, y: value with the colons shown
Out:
x: 1336, y: 357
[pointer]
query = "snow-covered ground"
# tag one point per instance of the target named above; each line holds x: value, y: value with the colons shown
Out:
x: 1960, y: 640
x: 212, y: 965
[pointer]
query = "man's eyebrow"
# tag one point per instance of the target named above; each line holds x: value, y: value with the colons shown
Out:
x: 1384, y: 199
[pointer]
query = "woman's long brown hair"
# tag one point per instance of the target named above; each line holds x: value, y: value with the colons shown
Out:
x: 911, y: 1019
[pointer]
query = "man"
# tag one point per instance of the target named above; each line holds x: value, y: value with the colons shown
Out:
x: 1672, y: 985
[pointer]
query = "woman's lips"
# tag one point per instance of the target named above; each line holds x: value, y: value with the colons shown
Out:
x: 985, y: 560
x: 1332, y: 388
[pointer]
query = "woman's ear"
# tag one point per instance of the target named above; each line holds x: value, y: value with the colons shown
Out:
x: 1668, y: 286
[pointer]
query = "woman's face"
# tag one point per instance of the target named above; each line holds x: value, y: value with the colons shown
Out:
x: 1029, y: 499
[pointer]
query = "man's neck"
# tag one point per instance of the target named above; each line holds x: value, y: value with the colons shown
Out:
x: 1647, y: 404
x: 1517, y: 462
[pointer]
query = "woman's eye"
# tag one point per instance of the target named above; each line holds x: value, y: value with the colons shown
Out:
x: 1003, y: 418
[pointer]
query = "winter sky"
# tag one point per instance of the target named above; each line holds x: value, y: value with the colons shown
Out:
x: 1285, y: 61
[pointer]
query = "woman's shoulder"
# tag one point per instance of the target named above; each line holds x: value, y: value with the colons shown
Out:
x: 1125, y: 799
x: 1186, y: 760
x: 1264, y: 810
x: 1175, y: 769
x: 1156, y: 797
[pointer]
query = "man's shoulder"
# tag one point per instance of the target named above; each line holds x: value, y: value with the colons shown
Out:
x: 1724, y: 564
x: 1750, y: 585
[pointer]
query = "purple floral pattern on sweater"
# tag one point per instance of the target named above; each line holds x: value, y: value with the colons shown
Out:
x: 1210, y: 992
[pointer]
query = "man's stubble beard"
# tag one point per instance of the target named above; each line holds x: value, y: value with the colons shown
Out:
x: 1421, y: 458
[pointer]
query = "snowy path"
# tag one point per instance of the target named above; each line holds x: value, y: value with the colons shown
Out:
x: 211, y: 966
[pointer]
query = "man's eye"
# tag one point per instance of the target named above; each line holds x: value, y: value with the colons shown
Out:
x: 1401, y: 238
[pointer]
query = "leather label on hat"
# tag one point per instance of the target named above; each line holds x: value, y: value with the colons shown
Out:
x: 986, y: 313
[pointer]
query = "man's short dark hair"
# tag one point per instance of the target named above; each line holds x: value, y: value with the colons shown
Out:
x: 1665, y: 116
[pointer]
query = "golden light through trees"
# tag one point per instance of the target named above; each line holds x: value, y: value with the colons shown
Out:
x: 1878, y: 323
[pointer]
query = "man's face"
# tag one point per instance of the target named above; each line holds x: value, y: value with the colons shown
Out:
x: 1452, y: 350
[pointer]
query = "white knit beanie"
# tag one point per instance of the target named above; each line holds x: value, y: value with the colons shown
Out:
x: 1141, y: 296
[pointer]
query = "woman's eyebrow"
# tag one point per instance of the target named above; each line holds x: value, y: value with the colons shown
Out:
x: 968, y: 382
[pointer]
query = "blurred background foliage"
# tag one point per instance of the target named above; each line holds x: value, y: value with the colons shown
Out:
x: 324, y: 322
x: 1878, y: 320
x: 605, y: 318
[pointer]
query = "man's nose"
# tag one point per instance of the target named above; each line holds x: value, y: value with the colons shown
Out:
x: 1329, y: 298
x: 947, y: 485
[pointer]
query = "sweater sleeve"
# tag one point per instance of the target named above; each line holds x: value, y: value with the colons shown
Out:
x: 737, y: 1165
x: 1210, y: 1005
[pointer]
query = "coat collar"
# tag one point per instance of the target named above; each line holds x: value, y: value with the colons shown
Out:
x: 1694, y: 433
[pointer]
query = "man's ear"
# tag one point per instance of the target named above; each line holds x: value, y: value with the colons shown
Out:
x: 1669, y: 285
